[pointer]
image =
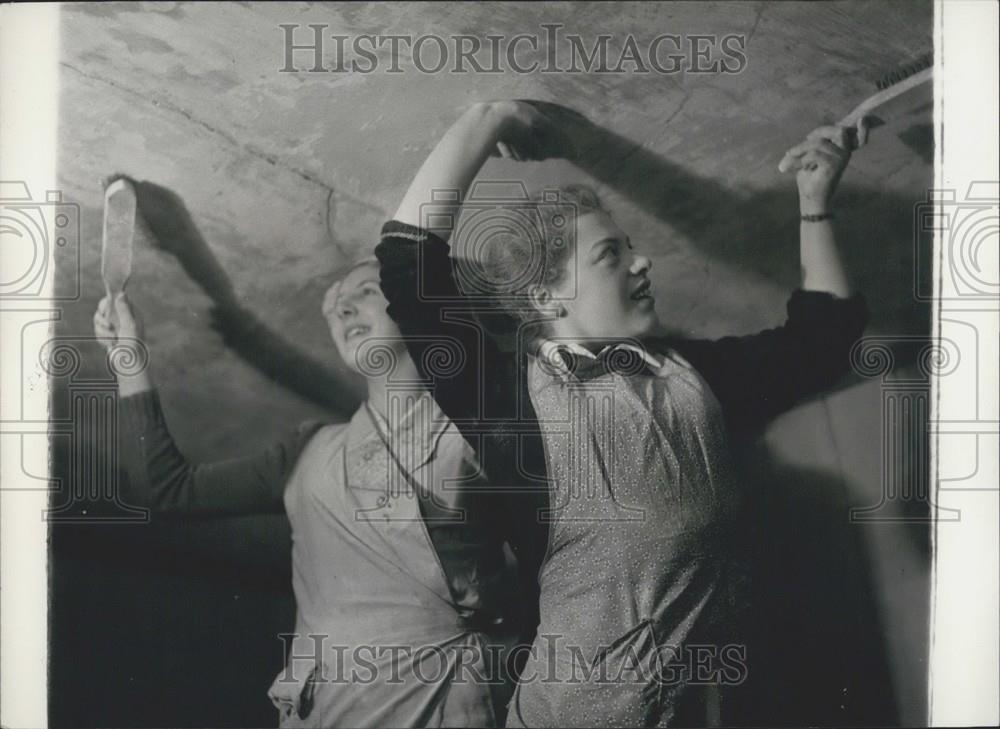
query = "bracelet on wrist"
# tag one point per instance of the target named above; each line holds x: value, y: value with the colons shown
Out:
x: 815, y: 217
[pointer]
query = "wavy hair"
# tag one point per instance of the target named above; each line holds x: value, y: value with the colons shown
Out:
x: 516, y: 261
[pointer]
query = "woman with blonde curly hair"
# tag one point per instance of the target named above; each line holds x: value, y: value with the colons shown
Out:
x: 637, y: 575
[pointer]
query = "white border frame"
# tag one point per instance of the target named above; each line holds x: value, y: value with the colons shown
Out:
x: 964, y: 662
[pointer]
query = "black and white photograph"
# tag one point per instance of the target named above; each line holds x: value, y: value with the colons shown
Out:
x: 526, y: 364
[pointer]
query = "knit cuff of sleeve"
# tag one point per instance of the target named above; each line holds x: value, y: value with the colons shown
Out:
x: 142, y: 411
x: 396, y: 229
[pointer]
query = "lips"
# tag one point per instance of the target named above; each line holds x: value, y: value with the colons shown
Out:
x: 642, y: 291
x: 356, y: 330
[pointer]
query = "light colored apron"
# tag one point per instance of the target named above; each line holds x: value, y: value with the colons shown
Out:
x: 638, y: 576
x: 378, y: 641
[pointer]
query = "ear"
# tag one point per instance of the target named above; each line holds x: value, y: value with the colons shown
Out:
x: 540, y: 298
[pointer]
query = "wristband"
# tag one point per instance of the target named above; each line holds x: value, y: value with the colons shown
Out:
x: 816, y: 217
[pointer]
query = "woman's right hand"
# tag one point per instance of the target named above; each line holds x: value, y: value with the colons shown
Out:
x: 121, y: 324
x: 121, y: 327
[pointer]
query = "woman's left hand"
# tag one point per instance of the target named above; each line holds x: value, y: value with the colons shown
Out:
x: 819, y: 162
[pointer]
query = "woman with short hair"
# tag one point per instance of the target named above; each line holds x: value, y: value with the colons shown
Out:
x: 398, y: 565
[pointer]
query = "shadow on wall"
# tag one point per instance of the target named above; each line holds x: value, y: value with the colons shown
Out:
x: 150, y: 628
x: 174, y: 231
x: 758, y: 231
x: 817, y: 651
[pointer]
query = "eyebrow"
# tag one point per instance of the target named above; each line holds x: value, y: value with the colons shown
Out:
x: 603, y: 241
x: 362, y: 282
x: 611, y: 239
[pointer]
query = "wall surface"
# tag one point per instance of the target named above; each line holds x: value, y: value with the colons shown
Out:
x: 258, y: 185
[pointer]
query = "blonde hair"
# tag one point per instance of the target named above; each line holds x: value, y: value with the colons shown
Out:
x: 351, y: 267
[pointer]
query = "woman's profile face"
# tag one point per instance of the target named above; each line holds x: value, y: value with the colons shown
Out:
x: 605, y: 294
x: 355, y: 310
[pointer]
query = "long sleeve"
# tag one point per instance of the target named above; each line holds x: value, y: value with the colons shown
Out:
x: 471, y: 376
x: 174, y: 487
x: 485, y: 394
x: 758, y: 376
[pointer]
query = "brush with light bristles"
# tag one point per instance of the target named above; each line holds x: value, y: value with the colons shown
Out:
x: 119, y: 229
x: 903, y: 92
x: 903, y: 72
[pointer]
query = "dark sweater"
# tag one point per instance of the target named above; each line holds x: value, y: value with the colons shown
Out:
x: 173, y: 486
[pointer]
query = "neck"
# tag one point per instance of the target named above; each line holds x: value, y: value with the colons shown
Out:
x: 403, y: 380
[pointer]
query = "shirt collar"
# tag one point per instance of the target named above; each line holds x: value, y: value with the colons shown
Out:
x: 549, y: 350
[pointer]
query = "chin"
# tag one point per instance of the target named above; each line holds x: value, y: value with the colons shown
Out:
x: 647, y: 326
x: 348, y: 353
x: 373, y: 356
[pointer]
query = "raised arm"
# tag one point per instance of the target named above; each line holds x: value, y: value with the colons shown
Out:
x: 758, y: 376
x: 173, y: 486
x: 511, y: 129
x: 418, y: 272
x: 818, y: 163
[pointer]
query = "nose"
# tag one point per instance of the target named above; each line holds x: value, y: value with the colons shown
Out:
x: 346, y: 308
x: 640, y: 265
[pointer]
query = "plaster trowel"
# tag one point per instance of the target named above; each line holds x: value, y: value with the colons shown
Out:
x: 116, y: 250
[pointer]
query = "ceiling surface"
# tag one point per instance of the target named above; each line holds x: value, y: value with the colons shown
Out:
x: 288, y: 175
